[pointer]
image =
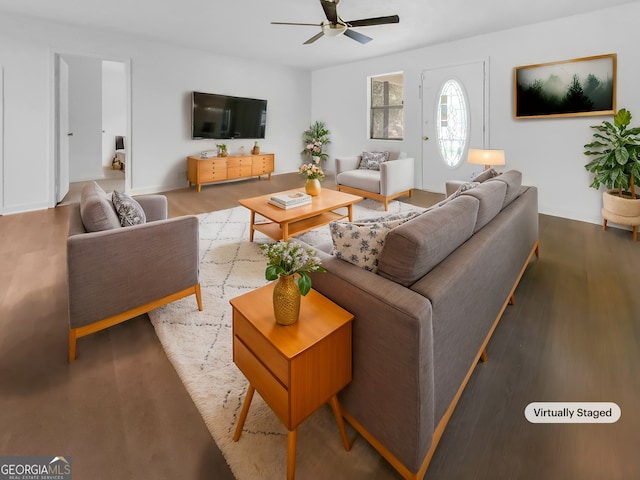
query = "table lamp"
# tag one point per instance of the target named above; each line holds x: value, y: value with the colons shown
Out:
x: 488, y: 158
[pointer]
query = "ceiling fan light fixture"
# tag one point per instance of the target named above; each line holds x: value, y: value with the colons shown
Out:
x: 333, y: 30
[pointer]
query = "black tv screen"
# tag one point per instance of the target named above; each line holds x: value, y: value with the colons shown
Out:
x: 225, y: 117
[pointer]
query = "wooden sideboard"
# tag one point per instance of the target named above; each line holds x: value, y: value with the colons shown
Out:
x: 217, y: 169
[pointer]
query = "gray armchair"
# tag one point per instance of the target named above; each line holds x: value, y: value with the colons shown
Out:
x: 119, y: 272
x: 394, y: 178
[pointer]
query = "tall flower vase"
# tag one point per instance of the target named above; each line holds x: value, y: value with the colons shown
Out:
x: 286, y: 300
x: 312, y: 187
x: 315, y: 159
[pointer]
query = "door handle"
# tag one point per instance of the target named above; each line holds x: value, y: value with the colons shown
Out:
x: 70, y: 134
x: 425, y: 138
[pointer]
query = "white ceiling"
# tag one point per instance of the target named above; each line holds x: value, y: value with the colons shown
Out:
x: 242, y: 27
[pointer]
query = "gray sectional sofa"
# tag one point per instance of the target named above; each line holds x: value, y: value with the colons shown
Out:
x: 423, y: 321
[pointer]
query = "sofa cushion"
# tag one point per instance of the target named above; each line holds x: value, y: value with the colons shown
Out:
x: 491, y: 196
x: 96, y: 209
x: 368, y: 180
x: 415, y: 247
x: 372, y: 160
x: 361, y: 242
x: 129, y: 211
x: 513, y: 179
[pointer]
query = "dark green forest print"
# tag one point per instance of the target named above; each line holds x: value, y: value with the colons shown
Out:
x: 553, y: 96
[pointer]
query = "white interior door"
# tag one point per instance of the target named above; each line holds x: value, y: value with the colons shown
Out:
x: 471, y: 82
x: 62, y: 187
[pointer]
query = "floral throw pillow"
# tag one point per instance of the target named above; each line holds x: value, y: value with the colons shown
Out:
x: 360, y: 243
x: 372, y: 160
x: 129, y: 211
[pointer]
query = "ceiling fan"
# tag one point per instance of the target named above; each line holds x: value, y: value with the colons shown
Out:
x: 334, y: 25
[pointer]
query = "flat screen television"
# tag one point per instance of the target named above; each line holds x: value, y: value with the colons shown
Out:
x: 225, y: 117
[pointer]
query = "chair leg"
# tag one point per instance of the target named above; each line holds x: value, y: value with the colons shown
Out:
x: 635, y: 233
x: 604, y: 224
x: 72, y: 345
x: 199, y: 297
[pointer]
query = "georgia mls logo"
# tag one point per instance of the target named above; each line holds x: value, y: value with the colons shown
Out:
x: 35, y: 468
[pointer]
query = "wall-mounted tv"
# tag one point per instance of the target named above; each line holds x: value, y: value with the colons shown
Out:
x: 224, y: 117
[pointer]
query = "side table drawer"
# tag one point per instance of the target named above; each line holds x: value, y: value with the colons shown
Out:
x: 267, y: 353
x: 276, y: 395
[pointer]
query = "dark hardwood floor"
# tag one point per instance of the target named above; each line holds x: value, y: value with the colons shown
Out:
x: 121, y: 412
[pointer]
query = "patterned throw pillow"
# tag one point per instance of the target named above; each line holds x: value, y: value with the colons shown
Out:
x: 486, y: 175
x: 129, y: 211
x: 360, y: 243
x: 462, y: 188
x: 372, y: 160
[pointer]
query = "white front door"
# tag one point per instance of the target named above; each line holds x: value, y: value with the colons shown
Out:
x: 447, y: 130
x: 62, y: 187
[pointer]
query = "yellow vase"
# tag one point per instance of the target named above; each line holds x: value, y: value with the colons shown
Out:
x: 312, y: 187
x: 286, y: 300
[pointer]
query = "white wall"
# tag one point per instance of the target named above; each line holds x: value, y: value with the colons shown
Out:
x: 161, y: 81
x: 549, y: 152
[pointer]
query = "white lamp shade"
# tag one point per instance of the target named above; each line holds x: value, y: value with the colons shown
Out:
x: 484, y: 157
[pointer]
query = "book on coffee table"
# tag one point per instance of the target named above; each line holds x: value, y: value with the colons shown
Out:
x: 291, y: 199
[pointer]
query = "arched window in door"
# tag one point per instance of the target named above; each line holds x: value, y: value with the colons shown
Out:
x: 452, y: 123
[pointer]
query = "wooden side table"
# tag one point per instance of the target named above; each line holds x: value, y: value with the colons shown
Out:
x: 295, y: 368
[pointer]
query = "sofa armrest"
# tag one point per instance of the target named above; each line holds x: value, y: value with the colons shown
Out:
x: 451, y: 186
x: 345, y: 164
x: 396, y: 176
x: 392, y: 356
x: 117, y: 270
x: 155, y: 207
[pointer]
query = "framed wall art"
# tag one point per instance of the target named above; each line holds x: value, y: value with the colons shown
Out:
x: 579, y: 87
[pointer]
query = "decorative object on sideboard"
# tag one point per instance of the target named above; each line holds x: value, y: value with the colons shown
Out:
x: 487, y: 157
x: 290, y: 263
x: 222, y: 149
x: 256, y: 148
x: 313, y: 174
x: 616, y: 166
x: 314, y: 139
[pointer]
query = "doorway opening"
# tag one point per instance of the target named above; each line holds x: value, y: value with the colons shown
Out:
x: 92, y: 122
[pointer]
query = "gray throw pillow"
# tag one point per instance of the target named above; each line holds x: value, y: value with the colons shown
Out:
x: 96, y: 209
x: 129, y: 211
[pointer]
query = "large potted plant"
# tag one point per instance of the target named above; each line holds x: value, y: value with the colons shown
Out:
x: 314, y: 140
x: 616, y: 166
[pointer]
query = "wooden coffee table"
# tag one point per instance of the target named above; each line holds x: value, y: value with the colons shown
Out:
x: 285, y: 223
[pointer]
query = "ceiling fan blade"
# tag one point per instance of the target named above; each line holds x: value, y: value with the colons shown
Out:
x: 292, y: 23
x: 358, y: 37
x: 314, y: 38
x: 330, y: 10
x: 368, y: 22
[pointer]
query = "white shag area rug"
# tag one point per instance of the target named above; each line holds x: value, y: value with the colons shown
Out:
x: 199, y: 345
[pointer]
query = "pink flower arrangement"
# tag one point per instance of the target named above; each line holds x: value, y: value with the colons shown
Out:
x: 314, y: 149
x: 311, y: 171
